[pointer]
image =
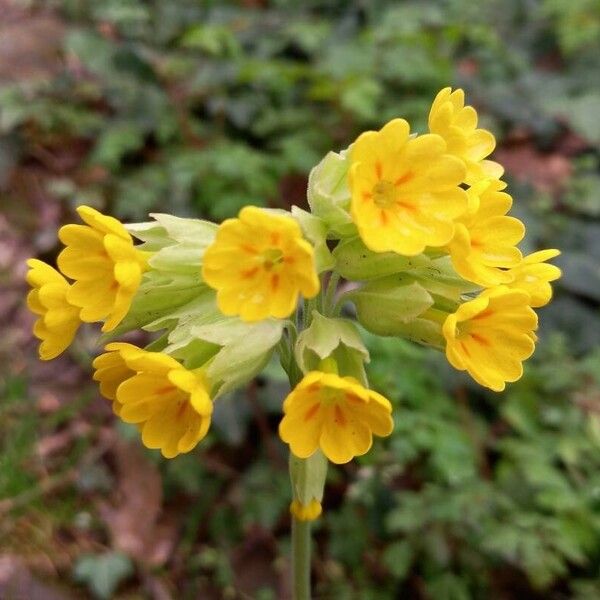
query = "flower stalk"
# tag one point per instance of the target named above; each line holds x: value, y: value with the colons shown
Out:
x: 301, y: 550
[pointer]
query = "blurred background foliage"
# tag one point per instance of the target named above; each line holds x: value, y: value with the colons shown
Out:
x: 199, y: 107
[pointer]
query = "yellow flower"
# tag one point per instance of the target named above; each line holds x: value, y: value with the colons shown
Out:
x: 112, y: 370
x: 484, y: 241
x: 58, y: 319
x: 259, y: 264
x: 491, y: 336
x: 170, y: 404
x: 457, y: 124
x: 405, y: 191
x: 107, y: 268
x: 306, y: 512
x: 333, y: 413
x: 533, y: 275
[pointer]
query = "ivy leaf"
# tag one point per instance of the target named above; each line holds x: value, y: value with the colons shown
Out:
x: 103, y: 573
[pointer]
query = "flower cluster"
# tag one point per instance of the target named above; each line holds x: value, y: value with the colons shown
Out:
x: 418, y: 222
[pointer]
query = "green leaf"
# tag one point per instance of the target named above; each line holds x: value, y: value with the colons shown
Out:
x: 103, y: 573
x: 398, y: 558
x: 115, y: 142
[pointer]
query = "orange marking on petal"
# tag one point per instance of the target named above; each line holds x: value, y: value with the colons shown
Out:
x: 312, y: 411
x: 249, y: 249
x: 406, y: 177
x: 289, y: 260
x: 406, y: 206
x: 166, y: 389
x: 249, y: 273
x: 340, y: 419
x: 353, y: 398
x: 367, y: 196
x: 378, y: 169
x: 275, y: 238
x: 465, y: 349
x: 383, y: 218
x: 274, y: 282
x: 480, y: 339
x: 181, y: 409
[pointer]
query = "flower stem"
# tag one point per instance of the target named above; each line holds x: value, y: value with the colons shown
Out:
x: 301, y: 559
x: 329, y: 301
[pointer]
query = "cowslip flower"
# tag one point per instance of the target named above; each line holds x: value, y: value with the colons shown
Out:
x: 405, y: 191
x: 259, y: 264
x: 533, y: 275
x: 335, y: 414
x: 58, y: 320
x: 457, y: 124
x: 491, y: 336
x: 106, y: 266
x: 484, y: 242
x: 111, y: 371
x: 170, y: 404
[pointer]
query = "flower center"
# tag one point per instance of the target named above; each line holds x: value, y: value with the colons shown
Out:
x: 385, y: 194
x: 271, y: 257
x: 329, y: 396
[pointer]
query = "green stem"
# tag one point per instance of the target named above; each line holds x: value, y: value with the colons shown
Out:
x: 301, y: 559
x: 328, y: 303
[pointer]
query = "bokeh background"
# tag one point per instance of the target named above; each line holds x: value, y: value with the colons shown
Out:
x: 199, y: 107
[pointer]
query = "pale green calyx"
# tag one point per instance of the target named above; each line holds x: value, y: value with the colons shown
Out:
x: 329, y: 194
x: 338, y: 339
x: 385, y: 306
x: 354, y: 261
x: 308, y: 477
x: 315, y: 230
x: 441, y: 280
x: 245, y: 355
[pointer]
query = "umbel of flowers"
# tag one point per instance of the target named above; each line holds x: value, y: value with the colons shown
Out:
x: 416, y: 223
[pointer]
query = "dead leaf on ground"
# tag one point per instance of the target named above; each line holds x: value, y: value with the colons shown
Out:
x: 18, y: 582
x: 547, y: 172
x: 134, y: 518
x: 29, y: 44
x: 253, y: 565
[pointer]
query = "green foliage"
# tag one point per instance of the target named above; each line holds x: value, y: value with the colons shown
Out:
x: 199, y: 107
x: 17, y: 428
x: 209, y: 106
